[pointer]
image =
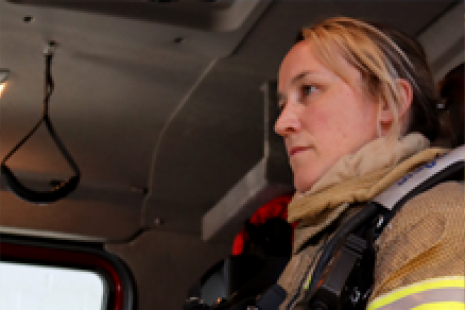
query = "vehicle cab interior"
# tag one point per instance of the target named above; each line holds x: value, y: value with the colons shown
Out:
x: 137, y: 141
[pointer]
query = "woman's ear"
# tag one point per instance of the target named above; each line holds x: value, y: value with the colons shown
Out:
x: 386, y: 116
x: 406, y: 93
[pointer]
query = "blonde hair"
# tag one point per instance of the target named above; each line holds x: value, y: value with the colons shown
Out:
x: 383, y: 56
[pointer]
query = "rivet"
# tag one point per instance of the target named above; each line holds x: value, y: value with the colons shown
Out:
x: 139, y: 190
x: 50, y: 48
x: 380, y: 222
x: 28, y: 18
x: 158, y: 221
x: 178, y: 40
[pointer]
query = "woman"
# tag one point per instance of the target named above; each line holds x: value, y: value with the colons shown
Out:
x: 357, y: 107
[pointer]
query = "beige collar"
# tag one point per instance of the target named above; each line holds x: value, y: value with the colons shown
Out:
x: 361, y: 176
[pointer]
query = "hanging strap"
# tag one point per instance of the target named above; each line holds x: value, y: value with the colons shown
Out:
x: 63, y: 189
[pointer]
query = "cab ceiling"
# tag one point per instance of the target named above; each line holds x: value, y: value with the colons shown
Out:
x: 142, y: 103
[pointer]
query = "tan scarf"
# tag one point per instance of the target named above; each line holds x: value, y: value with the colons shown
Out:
x: 361, y: 176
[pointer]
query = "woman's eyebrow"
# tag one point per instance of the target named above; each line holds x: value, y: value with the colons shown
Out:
x: 301, y: 75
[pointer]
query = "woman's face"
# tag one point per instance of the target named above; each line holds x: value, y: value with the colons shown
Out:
x: 322, y: 117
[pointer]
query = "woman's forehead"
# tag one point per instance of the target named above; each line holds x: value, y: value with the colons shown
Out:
x: 299, y: 59
x: 302, y: 59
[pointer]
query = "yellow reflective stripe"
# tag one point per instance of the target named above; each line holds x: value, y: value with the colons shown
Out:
x: 452, y: 282
x: 446, y: 305
x: 307, y: 285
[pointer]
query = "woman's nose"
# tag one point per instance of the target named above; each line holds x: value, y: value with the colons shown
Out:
x: 287, y: 122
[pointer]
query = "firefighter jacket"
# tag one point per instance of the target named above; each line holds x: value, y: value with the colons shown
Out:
x: 420, y: 257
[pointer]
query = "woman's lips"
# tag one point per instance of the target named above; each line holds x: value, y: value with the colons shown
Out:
x: 297, y: 149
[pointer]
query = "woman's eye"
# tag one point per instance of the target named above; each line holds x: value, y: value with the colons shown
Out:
x: 307, y: 90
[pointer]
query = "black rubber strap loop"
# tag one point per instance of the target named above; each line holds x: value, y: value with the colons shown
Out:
x: 368, y: 212
x: 65, y: 188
